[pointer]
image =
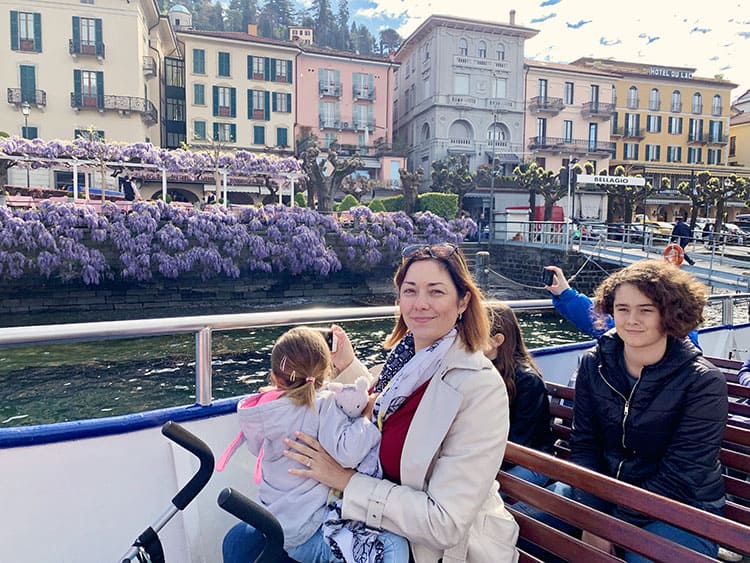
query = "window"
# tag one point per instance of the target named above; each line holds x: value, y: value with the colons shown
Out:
x: 733, y: 145
x: 329, y: 113
x: 482, y: 50
x: 500, y: 86
x: 716, y: 105
x: 225, y: 101
x: 88, y: 31
x: 259, y: 68
x: 695, y: 132
x: 426, y: 52
x: 568, y: 93
x: 363, y: 117
x: 28, y: 83
x: 653, y: 152
x: 259, y: 135
x: 632, y: 125
x: 674, y: 154
x: 199, y: 95
x: 225, y: 132
x: 654, y: 100
x: 199, y: 61
x: 541, y: 87
x: 282, y: 70
x: 362, y: 86
x: 461, y: 84
x: 463, y: 47
x: 25, y: 31
x: 675, y: 126
x: 593, y: 136
x: 282, y: 137
x: 427, y: 86
x: 500, y: 53
x: 567, y: 131
x: 676, y: 104
x: 697, y: 103
x: 88, y: 88
x: 175, y: 109
x: 224, y: 65
x: 594, y: 94
x: 715, y: 129
x: 633, y: 98
x: 199, y: 130
x: 258, y: 102
x: 87, y: 37
x: 175, y: 72
x: 329, y: 82
x: 282, y: 102
x: 541, y: 128
x: 714, y: 156
x: 329, y: 139
x: 653, y: 123
x: 630, y: 151
x: 694, y: 155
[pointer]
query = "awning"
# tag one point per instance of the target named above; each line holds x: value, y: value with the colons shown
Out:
x: 504, y: 157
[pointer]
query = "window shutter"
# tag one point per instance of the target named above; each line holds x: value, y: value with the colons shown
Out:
x: 274, y: 105
x: 77, y: 85
x: 273, y: 69
x: 266, y: 68
x: 249, y: 67
x: 288, y: 103
x: 14, y: 30
x: 216, y: 131
x: 370, y: 118
x: 28, y: 84
x: 216, y: 100
x: 338, y: 113
x: 658, y: 123
x: 289, y: 71
x: 76, y: 32
x: 338, y: 78
x: 98, y: 32
x: 267, y: 104
x: 281, y: 138
x: 233, y: 133
x: 233, y: 102
x: 370, y: 85
x: 100, y: 89
x: 249, y: 104
x: 38, y: 33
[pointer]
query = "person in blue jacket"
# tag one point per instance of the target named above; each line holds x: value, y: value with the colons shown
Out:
x: 578, y: 308
x: 744, y: 373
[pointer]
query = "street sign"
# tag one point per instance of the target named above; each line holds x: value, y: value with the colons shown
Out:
x: 614, y: 180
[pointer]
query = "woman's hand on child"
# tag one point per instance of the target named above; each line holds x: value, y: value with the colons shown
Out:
x: 318, y: 464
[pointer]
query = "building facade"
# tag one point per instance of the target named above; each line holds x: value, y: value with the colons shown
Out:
x: 739, y: 132
x: 351, y: 109
x: 460, y: 90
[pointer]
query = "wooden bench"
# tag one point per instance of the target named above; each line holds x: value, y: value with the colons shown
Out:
x: 724, y: 531
x: 20, y: 201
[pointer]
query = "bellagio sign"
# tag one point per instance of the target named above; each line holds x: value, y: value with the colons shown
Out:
x: 612, y: 180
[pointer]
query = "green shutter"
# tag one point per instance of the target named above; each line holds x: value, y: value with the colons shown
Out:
x: 249, y: 67
x: 77, y: 84
x: 233, y: 102
x: 273, y: 69
x: 337, y: 115
x: 216, y: 131
x: 274, y: 105
x: 370, y: 118
x: 98, y: 32
x: 267, y: 105
x: 338, y: 80
x: 28, y: 84
x: 215, y: 90
x: 370, y: 85
x: 38, y: 33
x: 249, y: 104
x: 76, y: 33
x: 233, y: 133
x: 289, y: 103
x: 266, y: 68
x: 14, y: 45
x: 100, y: 89
x: 289, y: 71
x: 281, y: 137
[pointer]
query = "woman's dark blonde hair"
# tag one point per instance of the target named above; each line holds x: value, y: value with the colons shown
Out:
x: 474, y: 325
x: 679, y: 297
x: 298, y: 354
x: 512, y: 352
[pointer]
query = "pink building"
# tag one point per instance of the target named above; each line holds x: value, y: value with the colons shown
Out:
x: 346, y: 100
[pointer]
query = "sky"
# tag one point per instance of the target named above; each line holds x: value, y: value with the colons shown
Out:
x: 684, y: 33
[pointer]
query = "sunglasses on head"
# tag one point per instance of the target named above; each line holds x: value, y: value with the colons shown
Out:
x: 441, y: 250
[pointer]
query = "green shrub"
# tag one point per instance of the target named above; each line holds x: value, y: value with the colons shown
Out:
x: 393, y: 203
x: 300, y: 200
x: 442, y: 205
x: 347, y: 203
x: 376, y: 206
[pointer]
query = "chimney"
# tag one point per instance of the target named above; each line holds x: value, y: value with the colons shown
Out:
x: 512, y: 17
x: 252, y: 29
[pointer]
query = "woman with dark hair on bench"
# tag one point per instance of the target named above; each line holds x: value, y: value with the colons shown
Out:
x: 649, y: 409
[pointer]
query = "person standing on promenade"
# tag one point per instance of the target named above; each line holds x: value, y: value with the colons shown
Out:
x: 681, y: 235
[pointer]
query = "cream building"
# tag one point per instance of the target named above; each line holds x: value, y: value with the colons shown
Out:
x: 739, y: 132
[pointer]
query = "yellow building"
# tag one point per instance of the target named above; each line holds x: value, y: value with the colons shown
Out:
x: 739, y: 132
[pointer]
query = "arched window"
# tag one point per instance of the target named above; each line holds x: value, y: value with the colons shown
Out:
x: 461, y: 131
x: 500, y: 52
x: 697, y: 103
x: 716, y: 105
x: 654, y: 100
x: 497, y: 133
x: 425, y: 132
x: 676, y: 105
x: 633, y: 97
x: 463, y: 47
x: 482, y: 50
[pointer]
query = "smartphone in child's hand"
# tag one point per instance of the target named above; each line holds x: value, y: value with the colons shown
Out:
x: 548, y: 277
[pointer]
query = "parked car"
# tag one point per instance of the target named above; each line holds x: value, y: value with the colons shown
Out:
x: 734, y: 234
x: 590, y: 231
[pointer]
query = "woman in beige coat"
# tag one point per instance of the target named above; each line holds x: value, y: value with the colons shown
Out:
x: 443, y: 411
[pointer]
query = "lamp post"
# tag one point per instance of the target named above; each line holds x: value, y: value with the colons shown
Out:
x: 491, y: 236
x: 569, y: 212
x: 26, y: 110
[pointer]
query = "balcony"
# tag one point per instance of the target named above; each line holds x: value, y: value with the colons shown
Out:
x: 149, y: 66
x: 543, y: 143
x: 18, y: 96
x: 329, y: 89
x: 697, y: 108
x: 718, y: 139
x: 598, y: 110
x: 121, y: 104
x: 654, y: 105
x: 363, y: 93
x: 545, y: 104
x: 633, y: 133
x: 675, y: 107
x: 696, y: 139
x: 362, y: 125
x: 480, y: 63
x: 86, y: 48
x: 462, y: 101
x: 329, y: 123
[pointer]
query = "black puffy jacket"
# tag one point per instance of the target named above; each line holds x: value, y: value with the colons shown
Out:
x: 665, y: 434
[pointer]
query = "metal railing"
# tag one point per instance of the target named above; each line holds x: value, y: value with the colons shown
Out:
x: 116, y: 103
x: 85, y: 48
x: 19, y: 95
x: 545, y: 103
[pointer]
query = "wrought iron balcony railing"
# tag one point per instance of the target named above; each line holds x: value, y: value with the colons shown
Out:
x: 598, y: 109
x: 122, y: 104
x: 543, y: 143
x: 86, y: 48
x: 363, y: 93
x: 18, y: 96
x: 545, y: 104
x: 329, y: 89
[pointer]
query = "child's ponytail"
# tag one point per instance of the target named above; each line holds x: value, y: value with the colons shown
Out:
x: 299, y: 351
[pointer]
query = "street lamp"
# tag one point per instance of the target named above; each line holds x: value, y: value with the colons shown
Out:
x: 26, y: 110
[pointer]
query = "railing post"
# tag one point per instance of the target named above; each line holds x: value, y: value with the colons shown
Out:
x: 481, y: 272
x: 203, y: 374
x: 727, y: 310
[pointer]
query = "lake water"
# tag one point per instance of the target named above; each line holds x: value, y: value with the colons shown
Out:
x: 44, y: 384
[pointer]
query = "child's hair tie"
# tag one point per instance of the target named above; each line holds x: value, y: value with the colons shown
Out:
x: 282, y: 365
x: 310, y: 379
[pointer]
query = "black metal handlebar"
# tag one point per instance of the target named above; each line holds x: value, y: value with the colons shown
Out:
x: 259, y: 518
x: 199, y: 449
